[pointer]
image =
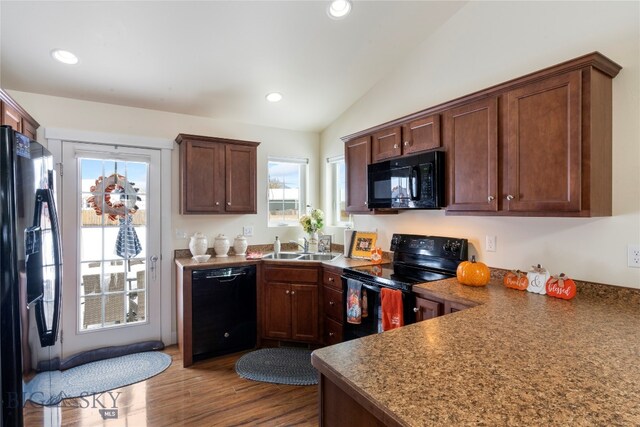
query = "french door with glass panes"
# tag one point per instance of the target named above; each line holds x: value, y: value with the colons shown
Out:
x: 111, y: 243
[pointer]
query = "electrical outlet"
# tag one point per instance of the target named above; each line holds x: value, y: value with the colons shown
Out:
x: 633, y: 256
x: 181, y: 234
x: 247, y: 230
x: 490, y: 243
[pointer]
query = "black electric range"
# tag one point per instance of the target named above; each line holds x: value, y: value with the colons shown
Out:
x: 416, y: 259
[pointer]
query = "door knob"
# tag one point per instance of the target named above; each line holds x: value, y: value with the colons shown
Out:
x: 286, y: 292
x: 406, y: 143
x: 226, y: 334
x: 490, y: 199
x: 395, y: 146
x: 217, y: 203
x: 293, y: 292
x: 331, y: 303
x: 510, y: 197
x: 416, y: 309
x: 331, y: 334
x: 228, y: 203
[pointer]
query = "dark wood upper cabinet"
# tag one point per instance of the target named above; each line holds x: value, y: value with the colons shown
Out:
x: 240, y: 178
x: 357, y: 157
x: 537, y: 145
x: 543, y: 152
x: 217, y: 175
x: 471, y: 140
x: 421, y: 134
x: 386, y: 143
x: 12, y: 114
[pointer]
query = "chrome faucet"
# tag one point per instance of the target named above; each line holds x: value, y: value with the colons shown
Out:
x: 305, y: 248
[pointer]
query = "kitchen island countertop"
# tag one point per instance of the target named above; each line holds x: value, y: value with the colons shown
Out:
x: 516, y: 358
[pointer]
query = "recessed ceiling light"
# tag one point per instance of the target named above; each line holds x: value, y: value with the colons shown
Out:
x: 274, y: 97
x: 64, y: 56
x: 338, y: 9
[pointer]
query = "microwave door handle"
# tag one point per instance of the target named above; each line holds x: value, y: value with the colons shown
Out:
x: 414, y: 184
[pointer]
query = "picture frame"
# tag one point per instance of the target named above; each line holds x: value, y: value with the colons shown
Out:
x: 362, y: 242
x: 324, y: 243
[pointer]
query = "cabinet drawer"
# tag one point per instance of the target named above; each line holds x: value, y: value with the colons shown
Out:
x: 332, y: 303
x: 291, y: 274
x: 332, y: 332
x: 332, y: 279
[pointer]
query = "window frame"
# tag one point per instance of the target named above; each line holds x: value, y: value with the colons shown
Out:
x: 303, y: 164
x: 333, y: 185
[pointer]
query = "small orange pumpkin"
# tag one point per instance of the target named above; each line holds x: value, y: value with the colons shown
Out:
x: 473, y: 273
x: 561, y: 287
x: 516, y: 279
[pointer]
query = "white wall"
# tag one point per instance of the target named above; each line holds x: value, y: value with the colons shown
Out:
x: 486, y: 43
x: 83, y: 115
x: 55, y: 112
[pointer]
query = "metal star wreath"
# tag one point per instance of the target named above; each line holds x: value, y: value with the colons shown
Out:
x: 106, y: 202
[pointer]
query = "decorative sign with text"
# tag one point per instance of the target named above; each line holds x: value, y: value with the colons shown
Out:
x: 538, y: 277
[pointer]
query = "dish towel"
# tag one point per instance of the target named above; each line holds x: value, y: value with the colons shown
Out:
x: 391, y: 305
x: 354, y: 310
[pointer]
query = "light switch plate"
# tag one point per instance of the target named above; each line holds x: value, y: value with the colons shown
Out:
x: 633, y: 256
x: 490, y: 243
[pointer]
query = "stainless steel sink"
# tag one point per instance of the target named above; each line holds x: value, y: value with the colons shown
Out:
x: 318, y: 257
x: 297, y: 256
x: 282, y: 255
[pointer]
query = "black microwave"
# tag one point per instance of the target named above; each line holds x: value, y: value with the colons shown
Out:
x: 410, y: 182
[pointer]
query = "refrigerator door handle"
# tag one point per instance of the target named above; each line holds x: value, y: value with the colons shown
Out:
x: 49, y: 333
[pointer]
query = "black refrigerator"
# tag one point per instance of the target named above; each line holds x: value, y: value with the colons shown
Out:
x: 31, y: 269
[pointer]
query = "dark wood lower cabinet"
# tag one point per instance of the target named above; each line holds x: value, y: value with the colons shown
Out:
x: 338, y: 408
x: 428, y: 309
x: 291, y: 303
x: 332, y: 331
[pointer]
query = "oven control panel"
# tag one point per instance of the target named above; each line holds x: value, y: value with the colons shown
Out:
x: 434, y: 246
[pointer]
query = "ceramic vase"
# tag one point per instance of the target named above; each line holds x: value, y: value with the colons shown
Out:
x: 240, y: 245
x: 221, y: 246
x: 313, y: 242
x: 198, y: 244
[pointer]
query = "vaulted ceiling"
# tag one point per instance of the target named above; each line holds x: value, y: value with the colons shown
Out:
x: 214, y: 58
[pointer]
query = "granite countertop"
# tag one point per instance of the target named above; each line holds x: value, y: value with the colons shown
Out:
x: 232, y: 260
x: 516, y: 358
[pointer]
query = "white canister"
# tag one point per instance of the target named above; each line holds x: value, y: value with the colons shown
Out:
x: 221, y: 245
x: 240, y: 245
x: 198, y: 244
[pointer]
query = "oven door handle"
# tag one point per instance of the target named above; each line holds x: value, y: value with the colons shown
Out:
x: 371, y: 287
x: 374, y: 288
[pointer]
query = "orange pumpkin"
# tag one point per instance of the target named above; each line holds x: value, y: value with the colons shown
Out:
x: 516, y: 279
x: 473, y: 273
x: 561, y: 287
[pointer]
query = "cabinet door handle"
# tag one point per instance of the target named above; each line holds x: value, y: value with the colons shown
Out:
x: 331, y: 279
x: 406, y: 143
x: 286, y: 292
x: 416, y: 309
x: 293, y: 292
x: 331, y: 334
x: 228, y: 203
x: 510, y: 197
x: 217, y: 203
x: 365, y: 203
x: 332, y: 303
x: 395, y: 146
x: 490, y: 199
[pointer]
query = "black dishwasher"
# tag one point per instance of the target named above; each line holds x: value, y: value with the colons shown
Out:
x: 223, y: 311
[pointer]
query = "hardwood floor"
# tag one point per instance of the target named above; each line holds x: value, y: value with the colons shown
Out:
x: 209, y: 393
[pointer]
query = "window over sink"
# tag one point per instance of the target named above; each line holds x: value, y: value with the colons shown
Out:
x: 287, y: 190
